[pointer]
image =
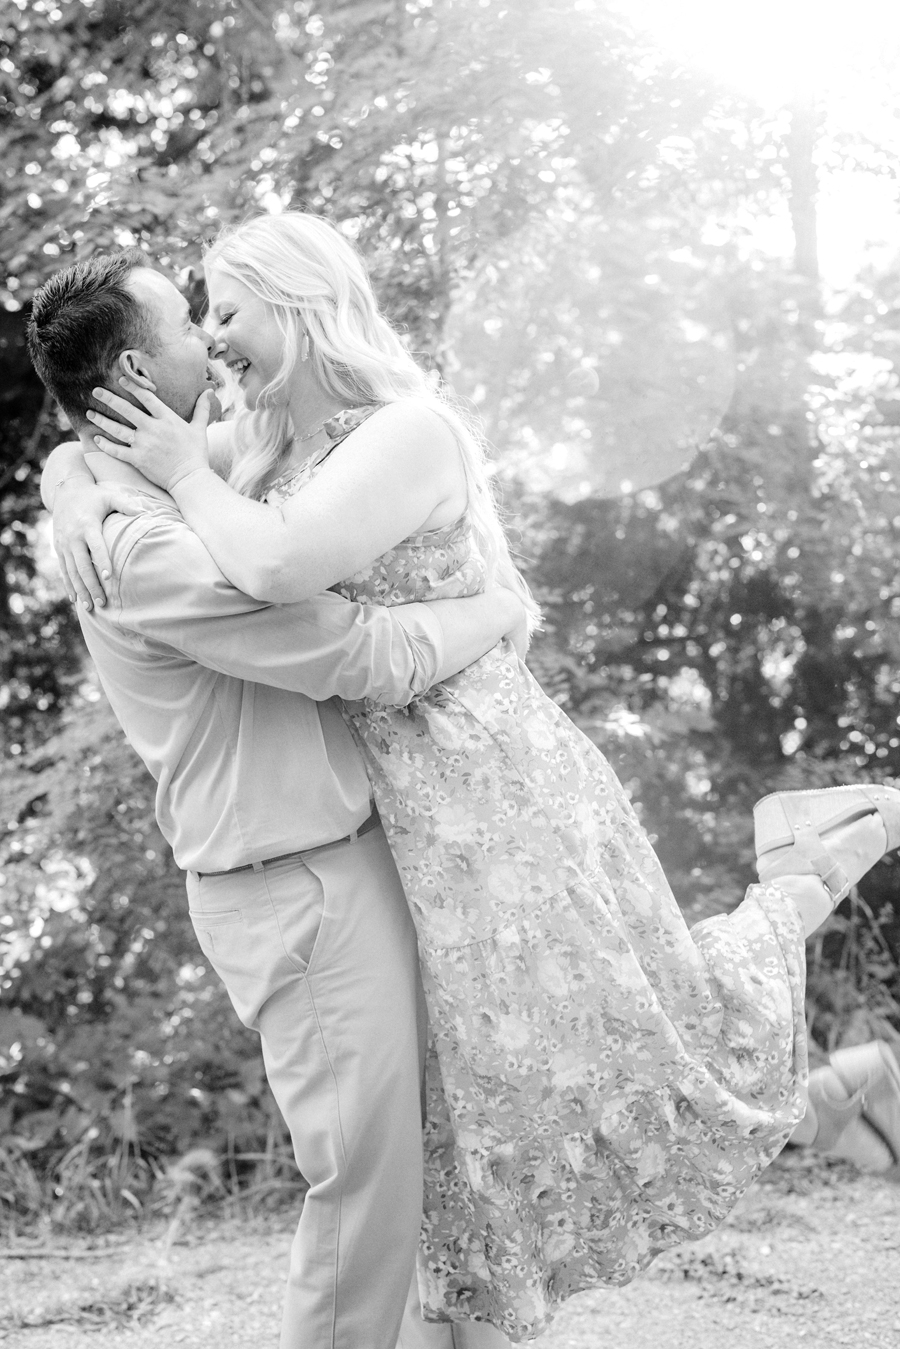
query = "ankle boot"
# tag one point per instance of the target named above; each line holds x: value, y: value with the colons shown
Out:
x: 792, y: 831
x: 856, y: 1103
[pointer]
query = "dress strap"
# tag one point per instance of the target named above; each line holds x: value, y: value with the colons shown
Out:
x: 348, y: 419
x: 337, y: 429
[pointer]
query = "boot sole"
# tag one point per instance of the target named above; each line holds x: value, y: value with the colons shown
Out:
x: 823, y: 810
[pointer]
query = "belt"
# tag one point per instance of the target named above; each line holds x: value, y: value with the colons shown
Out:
x: 365, y: 828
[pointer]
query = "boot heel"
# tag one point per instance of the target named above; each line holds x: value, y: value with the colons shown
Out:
x: 770, y: 823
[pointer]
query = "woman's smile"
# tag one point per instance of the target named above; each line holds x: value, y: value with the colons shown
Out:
x: 239, y: 366
x: 246, y: 333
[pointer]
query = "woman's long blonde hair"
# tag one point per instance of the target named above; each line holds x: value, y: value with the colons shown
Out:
x: 314, y: 280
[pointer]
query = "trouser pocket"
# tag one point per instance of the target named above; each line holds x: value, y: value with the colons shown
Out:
x: 257, y: 930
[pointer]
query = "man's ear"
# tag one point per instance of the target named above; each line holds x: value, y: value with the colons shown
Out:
x: 133, y: 364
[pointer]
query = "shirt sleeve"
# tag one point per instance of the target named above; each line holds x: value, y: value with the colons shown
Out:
x: 168, y: 590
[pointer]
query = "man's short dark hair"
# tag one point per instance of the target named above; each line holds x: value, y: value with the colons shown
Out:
x: 81, y: 320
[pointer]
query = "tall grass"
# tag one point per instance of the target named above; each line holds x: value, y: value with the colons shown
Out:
x: 853, y: 978
x: 88, y: 1191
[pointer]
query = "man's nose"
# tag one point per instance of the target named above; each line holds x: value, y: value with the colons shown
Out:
x: 207, y: 337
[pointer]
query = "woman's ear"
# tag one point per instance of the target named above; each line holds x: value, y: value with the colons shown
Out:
x: 133, y: 364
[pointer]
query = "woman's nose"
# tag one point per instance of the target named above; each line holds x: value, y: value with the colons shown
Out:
x: 212, y: 330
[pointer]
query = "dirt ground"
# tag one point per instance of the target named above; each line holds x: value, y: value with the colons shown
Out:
x: 811, y: 1255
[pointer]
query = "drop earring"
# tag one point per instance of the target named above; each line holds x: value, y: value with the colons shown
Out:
x: 304, y: 348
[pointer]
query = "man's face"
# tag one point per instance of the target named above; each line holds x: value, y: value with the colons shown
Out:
x: 180, y: 368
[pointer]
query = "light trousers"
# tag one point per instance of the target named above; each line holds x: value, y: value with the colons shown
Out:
x: 319, y: 956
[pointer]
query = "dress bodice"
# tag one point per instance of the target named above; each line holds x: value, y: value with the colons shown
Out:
x: 438, y: 564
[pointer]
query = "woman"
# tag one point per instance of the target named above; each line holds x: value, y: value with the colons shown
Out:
x: 603, y: 1083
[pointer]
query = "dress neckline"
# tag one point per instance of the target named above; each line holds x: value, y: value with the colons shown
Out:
x: 337, y: 428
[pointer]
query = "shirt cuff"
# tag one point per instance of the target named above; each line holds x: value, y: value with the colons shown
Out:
x: 426, y: 643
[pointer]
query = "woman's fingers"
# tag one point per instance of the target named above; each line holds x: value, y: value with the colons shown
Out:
x: 93, y: 537
x: 77, y: 559
x: 113, y: 448
x: 202, y: 409
x: 121, y: 406
x: 85, y: 579
x: 155, y: 406
x: 71, y: 593
x: 113, y: 428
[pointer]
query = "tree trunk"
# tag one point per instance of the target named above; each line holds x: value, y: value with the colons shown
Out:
x: 801, y: 146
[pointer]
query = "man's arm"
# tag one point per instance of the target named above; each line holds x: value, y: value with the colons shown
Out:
x: 79, y: 505
x: 170, y: 590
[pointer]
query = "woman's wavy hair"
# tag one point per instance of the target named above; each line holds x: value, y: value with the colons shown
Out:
x: 315, y: 282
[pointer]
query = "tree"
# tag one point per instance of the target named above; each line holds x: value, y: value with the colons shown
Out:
x: 555, y: 215
x: 429, y: 131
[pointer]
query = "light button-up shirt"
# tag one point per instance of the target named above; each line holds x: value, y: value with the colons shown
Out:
x: 232, y: 703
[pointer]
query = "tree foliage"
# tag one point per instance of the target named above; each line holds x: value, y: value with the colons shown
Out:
x: 557, y: 218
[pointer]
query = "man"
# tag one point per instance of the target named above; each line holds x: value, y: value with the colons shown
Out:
x: 265, y: 802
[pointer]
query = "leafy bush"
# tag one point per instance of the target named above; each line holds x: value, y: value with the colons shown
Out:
x: 118, y: 1047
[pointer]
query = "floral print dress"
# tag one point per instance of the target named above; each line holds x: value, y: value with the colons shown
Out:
x: 602, y: 1083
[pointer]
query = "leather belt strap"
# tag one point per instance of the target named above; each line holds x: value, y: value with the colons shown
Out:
x: 365, y: 828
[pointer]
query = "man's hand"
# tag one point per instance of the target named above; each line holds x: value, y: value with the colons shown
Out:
x: 473, y: 624
x: 79, y: 508
x: 518, y: 632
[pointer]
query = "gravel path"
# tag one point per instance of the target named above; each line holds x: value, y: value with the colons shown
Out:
x: 811, y: 1255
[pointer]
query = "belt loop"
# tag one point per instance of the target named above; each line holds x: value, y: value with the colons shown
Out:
x: 258, y: 866
x: 353, y: 835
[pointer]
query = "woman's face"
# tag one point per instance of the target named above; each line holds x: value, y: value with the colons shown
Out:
x: 247, y: 337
